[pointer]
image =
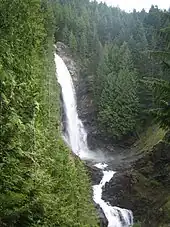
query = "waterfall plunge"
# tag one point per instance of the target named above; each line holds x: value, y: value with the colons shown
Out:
x: 76, y: 138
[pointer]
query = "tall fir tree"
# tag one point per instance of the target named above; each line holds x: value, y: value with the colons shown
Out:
x: 118, y: 104
x: 72, y: 42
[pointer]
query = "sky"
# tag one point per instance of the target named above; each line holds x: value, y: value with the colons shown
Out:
x: 129, y: 5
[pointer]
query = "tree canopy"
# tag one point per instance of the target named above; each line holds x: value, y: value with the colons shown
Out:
x: 114, y: 46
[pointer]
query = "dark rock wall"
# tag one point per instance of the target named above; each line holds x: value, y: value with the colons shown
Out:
x: 145, y: 187
x: 64, y: 52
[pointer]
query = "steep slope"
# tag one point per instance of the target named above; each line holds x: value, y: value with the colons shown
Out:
x: 41, y: 183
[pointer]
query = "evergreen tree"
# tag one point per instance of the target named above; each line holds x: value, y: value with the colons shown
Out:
x: 118, y: 104
x: 161, y: 88
x: 72, y: 42
x: 83, y: 46
x: 65, y: 35
x: 99, y: 77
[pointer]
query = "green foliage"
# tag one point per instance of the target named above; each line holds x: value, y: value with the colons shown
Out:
x: 137, y: 224
x: 96, y: 33
x: 149, y: 138
x: 118, y: 117
x: 65, y: 34
x: 161, y: 87
x: 72, y: 42
x: 161, y: 93
x: 41, y: 184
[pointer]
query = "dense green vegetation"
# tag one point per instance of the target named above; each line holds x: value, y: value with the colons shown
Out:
x: 117, y: 117
x: 114, y: 45
x: 41, y: 184
x: 126, y: 61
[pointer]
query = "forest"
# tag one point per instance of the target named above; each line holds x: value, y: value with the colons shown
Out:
x: 125, y: 59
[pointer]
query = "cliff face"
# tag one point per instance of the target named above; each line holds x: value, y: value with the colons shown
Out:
x: 65, y: 53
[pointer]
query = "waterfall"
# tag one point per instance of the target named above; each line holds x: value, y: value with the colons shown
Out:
x: 76, y: 138
x: 75, y: 135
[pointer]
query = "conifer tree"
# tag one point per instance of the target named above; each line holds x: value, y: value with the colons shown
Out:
x: 72, y: 42
x: 118, y: 105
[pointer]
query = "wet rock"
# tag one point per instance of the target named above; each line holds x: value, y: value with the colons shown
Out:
x: 102, y: 217
x: 115, y: 189
x: 96, y: 176
x: 64, y: 52
x: 94, y: 173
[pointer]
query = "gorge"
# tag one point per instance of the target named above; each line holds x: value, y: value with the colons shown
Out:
x: 132, y: 185
x: 76, y: 137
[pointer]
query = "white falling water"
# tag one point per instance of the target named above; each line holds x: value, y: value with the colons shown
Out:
x: 116, y: 216
x: 76, y: 137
